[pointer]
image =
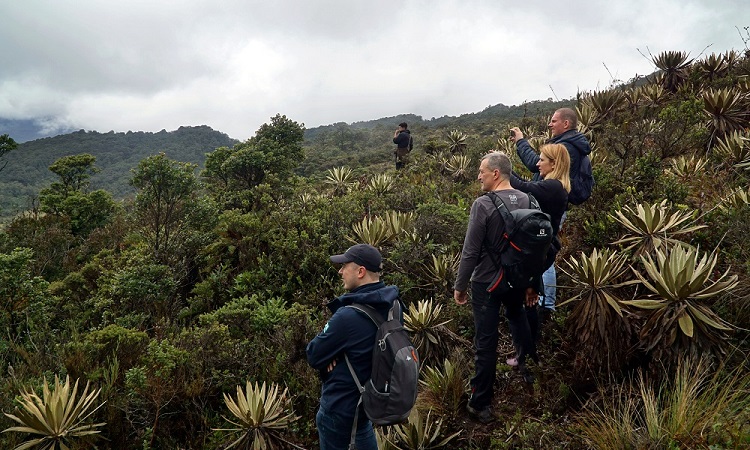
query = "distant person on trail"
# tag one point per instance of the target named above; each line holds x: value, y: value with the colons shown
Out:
x: 563, y: 125
x: 477, y: 268
x: 351, y: 333
x: 404, y: 143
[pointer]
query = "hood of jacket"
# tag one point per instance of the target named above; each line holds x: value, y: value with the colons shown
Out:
x: 377, y: 295
x: 576, y: 139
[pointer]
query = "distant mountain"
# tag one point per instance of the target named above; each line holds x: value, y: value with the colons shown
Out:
x: 29, y: 130
x: 116, y: 154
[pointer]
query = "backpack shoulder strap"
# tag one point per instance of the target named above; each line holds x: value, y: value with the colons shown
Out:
x: 533, y: 203
x: 502, y: 209
x: 369, y: 311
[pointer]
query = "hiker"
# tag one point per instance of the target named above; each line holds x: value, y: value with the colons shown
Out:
x: 563, y: 126
x: 485, y: 232
x: 350, y: 333
x: 404, y: 143
x: 551, y: 192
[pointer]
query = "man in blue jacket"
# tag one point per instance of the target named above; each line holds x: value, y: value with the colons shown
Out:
x: 564, y: 128
x: 352, y: 333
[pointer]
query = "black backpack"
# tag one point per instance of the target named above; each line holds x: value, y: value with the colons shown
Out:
x: 582, y: 185
x: 391, y: 392
x: 527, y: 248
x: 411, y: 143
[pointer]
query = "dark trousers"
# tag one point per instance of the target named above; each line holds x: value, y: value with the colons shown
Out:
x: 523, y: 329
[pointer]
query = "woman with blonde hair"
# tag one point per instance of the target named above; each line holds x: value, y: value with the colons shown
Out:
x: 552, y: 190
x: 552, y: 194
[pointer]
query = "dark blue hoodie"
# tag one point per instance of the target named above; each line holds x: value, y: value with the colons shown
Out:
x: 576, y: 143
x: 348, y: 331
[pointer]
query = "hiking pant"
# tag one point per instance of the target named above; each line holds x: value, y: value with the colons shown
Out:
x: 486, y: 311
x: 335, y: 431
x: 548, y: 298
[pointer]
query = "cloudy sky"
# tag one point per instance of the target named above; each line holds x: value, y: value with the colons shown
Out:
x: 232, y: 64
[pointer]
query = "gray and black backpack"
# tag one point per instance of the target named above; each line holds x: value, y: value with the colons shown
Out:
x: 389, y: 395
x: 528, y: 246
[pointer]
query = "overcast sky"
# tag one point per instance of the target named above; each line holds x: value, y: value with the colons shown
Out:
x: 152, y: 65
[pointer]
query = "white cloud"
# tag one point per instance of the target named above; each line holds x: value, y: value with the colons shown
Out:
x: 136, y: 65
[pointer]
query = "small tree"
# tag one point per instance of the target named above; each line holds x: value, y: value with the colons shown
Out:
x: 165, y: 196
x: 6, y: 145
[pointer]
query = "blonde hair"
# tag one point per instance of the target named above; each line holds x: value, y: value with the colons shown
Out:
x: 558, y: 154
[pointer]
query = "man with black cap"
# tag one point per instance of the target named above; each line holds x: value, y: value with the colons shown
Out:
x: 352, y: 333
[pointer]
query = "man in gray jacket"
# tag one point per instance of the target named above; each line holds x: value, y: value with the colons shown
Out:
x: 484, y: 234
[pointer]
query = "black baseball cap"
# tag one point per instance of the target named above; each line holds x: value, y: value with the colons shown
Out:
x: 363, y: 254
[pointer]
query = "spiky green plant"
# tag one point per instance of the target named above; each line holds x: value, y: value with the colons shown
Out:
x: 261, y: 413
x: 425, y: 323
x: 597, y: 321
x: 713, y: 66
x: 341, y: 179
x: 399, y: 222
x: 652, y: 226
x: 420, y: 433
x: 605, y: 102
x: 677, y: 318
x: 381, y: 184
x: 457, y: 141
x: 653, y: 94
x: 459, y: 166
x: 725, y: 110
x: 687, y: 167
x: 443, y: 269
x: 58, y: 417
x: 445, y: 388
x: 674, y: 66
x: 743, y: 83
x: 738, y: 198
x: 505, y: 145
x: 734, y: 147
x: 373, y: 231
x: 588, y: 118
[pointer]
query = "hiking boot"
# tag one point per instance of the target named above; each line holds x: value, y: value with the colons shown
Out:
x: 526, y: 374
x: 484, y: 416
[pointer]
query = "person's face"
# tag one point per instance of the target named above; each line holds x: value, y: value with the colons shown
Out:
x: 557, y: 125
x: 350, y: 275
x: 545, y: 165
x: 486, y: 176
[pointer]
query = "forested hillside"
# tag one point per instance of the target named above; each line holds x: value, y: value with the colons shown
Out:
x: 360, y: 144
x: 27, y: 170
x: 183, y: 312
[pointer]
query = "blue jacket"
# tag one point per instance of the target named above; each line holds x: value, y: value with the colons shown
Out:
x: 403, y: 138
x: 348, y: 331
x: 576, y: 143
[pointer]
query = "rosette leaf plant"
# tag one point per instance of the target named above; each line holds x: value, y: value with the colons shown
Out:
x: 381, y: 183
x: 59, y: 417
x: 373, y: 231
x: 687, y: 167
x: 459, y: 166
x: 597, y: 320
x: 653, y: 226
x: 726, y: 110
x: 427, y: 327
x: 340, y: 179
x: 421, y: 433
x: 677, y: 317
x: 674, y: 66
x: 260, y: 414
